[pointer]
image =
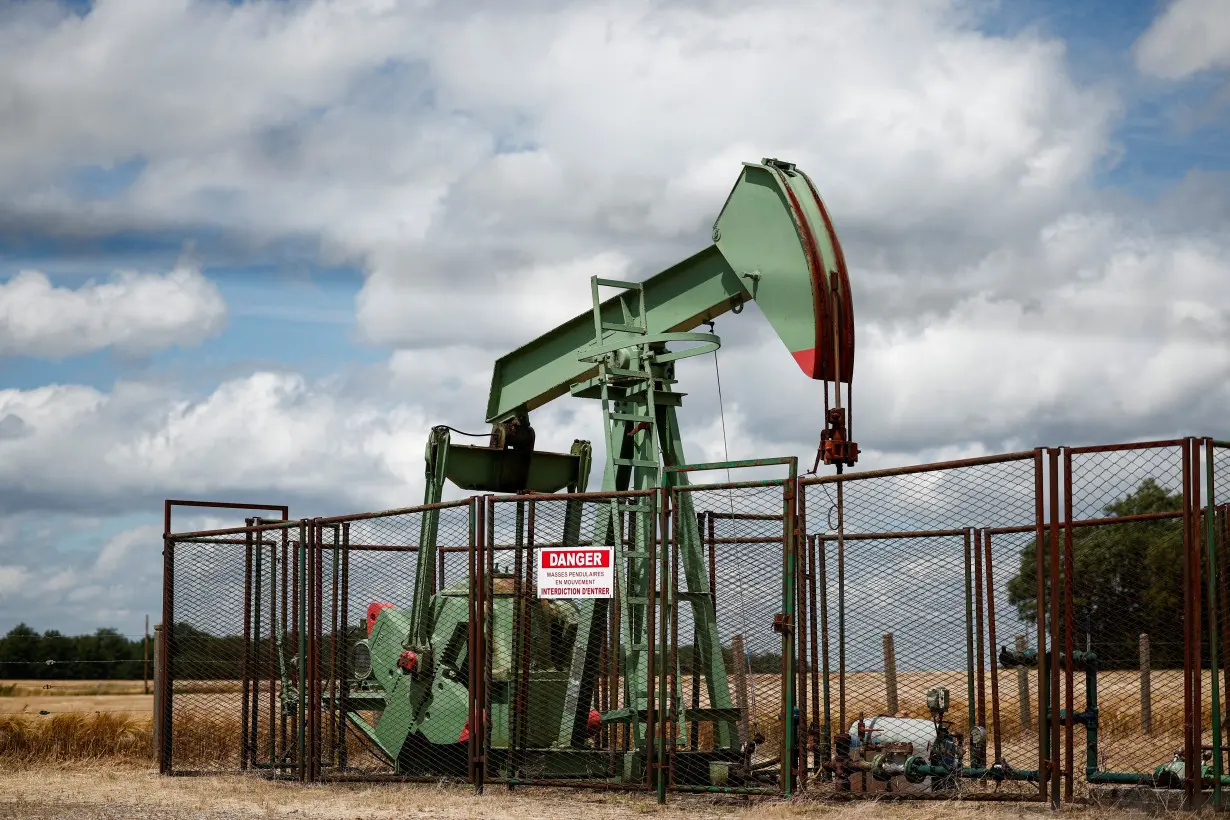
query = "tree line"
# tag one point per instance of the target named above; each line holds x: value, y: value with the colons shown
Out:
x: 107, y: 655
x: 26, y: 654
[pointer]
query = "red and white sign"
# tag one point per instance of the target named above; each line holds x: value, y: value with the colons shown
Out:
x: 576, y: 572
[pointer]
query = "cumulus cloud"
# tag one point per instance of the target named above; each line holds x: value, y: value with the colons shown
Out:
x: 1132, y: 340
x: 602, y: 128
x: 480, y: 161
x: 1188, y: 37
x: 133, y: 313
x: 269, y: 434
x: 937, y: 141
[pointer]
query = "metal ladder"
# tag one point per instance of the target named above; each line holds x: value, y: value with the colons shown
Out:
x: 628, y: 389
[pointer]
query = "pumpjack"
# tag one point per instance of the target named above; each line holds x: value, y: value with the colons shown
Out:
x: 773, y: 244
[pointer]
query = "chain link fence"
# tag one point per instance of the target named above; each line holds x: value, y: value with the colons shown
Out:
x: 394, y: 675
x: 222, y: 679
x: 1043, y: 625
x: 1125, y: 551
x: 907, y: 692
x: 571, y: 634
x: 730, y: 722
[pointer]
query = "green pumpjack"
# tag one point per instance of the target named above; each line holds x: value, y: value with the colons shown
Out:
x: 774, y: 244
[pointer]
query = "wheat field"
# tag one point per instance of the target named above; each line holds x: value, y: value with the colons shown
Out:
x: 104, y: 726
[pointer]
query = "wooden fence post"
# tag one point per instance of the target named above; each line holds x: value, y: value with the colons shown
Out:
x: 890, y: 673
x: 1022, y: 686
x: 1146, y: 687
x: 158, y: 728
x: 739, y: 657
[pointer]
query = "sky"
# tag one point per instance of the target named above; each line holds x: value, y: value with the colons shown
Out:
x: 253, y: 251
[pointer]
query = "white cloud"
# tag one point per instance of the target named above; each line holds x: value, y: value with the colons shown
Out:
x: 482, y: 164
x: 619, y: 125
x: 178, y: 78
x: 1110, y: 331
x: 397, y: 306
x: 324, y: 447
x: 925, y: 136
x: 1188, y: 37
x: 118, y: 549
x: 13, y: 579
x: 133, y: 313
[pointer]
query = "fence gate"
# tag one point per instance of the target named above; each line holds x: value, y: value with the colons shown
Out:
x: 570, y: 637
x: 922, y: 676
x: 727, y: 682
x: 227, y: 683
x: 390, y: 645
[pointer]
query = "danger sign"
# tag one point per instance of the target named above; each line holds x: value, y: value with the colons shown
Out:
x: 579, y: 572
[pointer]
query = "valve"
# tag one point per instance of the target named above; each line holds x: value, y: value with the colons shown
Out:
x: 408, y: 662
x: 937, y: 703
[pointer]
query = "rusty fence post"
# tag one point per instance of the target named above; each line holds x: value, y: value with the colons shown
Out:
x: 1146, y: 687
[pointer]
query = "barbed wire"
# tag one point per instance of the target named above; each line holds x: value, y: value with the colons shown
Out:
x: 57, y: 662
x: 37, y: 637
x: 50, y: 712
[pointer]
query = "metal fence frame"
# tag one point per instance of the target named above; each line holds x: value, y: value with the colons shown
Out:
x: 784, y: 622
x: 803, y: 622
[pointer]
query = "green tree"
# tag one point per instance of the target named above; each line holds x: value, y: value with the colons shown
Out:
x: 1127, y: 579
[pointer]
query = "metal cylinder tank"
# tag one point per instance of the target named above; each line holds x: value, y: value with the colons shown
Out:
x: 897, y: 739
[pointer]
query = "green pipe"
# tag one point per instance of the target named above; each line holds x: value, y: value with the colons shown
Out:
x: 1119, y: 779
x: 915, y: 769
x: 969, y: 637
x: 721, y: 790
x: 1211, y: 546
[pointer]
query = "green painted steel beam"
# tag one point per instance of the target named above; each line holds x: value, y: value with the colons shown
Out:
x: 773, y: 243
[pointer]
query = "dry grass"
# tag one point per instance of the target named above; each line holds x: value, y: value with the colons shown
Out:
x: 131, y: 792
x: 207, y: 712
x: 70, y: 688
x: 98, y: 731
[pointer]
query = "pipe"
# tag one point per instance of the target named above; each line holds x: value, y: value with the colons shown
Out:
x: 826, y: 730
x: 841, y: 608
x: 1068, y: 618
x: 1044, y: 735
x: 999, y: 750
x: 1056, y: 768
x: 969, y: 638
x: 980, y: 633
x: 1211, y: 547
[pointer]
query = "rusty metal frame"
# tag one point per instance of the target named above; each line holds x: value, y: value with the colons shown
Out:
x: 340, y: 598
x: 793, y: 750
x: 524, y: 550
x: 163, y: 716
x: 805, y: 657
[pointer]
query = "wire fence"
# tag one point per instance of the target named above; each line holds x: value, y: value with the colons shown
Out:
x: 1044, y: 625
